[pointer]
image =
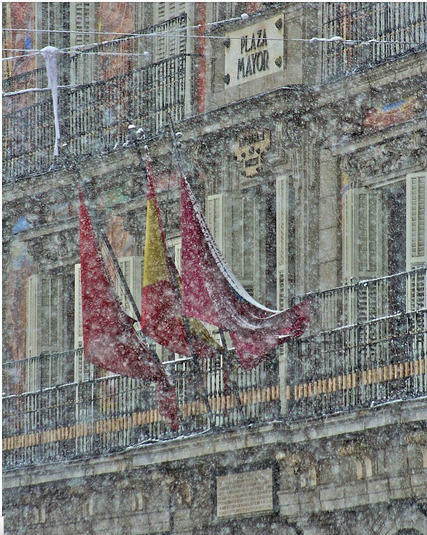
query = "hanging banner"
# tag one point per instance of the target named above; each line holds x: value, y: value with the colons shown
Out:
x: 253, y: 52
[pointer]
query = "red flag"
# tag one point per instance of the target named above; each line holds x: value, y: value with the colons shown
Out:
x: 211, y: 293
x: 161, y: 316
x: 109, y: 338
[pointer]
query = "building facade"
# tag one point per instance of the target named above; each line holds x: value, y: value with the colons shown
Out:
x: 302, y: 131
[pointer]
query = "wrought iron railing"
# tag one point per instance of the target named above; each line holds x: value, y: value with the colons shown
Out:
x: 113, y: 413
x: 94, y: 118
x: 399, y: 28
x: 367, y: 345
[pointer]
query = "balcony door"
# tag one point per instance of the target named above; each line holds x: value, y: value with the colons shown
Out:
x: 384, y: 233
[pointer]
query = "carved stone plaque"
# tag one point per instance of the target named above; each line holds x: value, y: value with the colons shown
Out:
x: 245, y: 493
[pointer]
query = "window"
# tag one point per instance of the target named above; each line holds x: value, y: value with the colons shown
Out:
x: 235, y: 222
x: 384, y: 233
x: 46, y: 315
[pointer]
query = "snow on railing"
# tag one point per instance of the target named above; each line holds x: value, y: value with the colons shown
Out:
x: 371, y: 33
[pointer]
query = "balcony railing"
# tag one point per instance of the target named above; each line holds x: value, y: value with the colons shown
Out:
x: 113, y: 413
x: 366, y: 346
x: 94, y: 118
x: 400, y: 28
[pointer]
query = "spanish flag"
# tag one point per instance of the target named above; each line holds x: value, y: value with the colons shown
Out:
x: 161, y: 317
x: 109, y: 339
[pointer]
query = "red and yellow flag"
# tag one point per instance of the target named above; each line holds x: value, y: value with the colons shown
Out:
x: 161, y: 317
x: 109, y: 339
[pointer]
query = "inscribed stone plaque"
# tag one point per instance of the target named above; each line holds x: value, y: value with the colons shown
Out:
x: 245, y: 493
x: 254, y: 51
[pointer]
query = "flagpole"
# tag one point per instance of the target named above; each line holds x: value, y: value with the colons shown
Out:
x: 227, y: 359
x: 185, y: 322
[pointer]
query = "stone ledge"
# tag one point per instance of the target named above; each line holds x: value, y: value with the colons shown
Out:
x: 358, y: 421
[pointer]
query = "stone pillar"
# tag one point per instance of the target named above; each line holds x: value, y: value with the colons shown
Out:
x: 328, y: 221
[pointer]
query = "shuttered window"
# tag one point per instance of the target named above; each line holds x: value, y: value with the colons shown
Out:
x: 46, y: 322
x: 364, y: 240
x: 234, y: 221
x: 83, y: 26
x: 365, y: 256
x: 131, y: 267
x: 416, y: 238
x: 174, y: 43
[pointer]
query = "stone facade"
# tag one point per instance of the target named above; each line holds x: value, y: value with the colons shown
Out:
x: 297, y: 154
x: 364, y: 473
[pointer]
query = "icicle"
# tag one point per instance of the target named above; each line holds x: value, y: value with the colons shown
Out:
x: 49, y: 53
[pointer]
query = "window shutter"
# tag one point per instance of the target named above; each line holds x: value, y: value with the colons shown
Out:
x: 416, y: 229
x: 167, y: 10
x: 178, y: 247
x: 246, y: 242
x: 214, y: 218
x: 364, y: 251
x: 83, y: 370
x: 416, y: 238
x: 31, y: 342
x: 45, y: 315
x: 78, y: 322
x: 175, y: 43
x: 364, y: 246
x: 234, y: 222
x: 131, y: 267
x: 82, y: 21
x: 282, y: 237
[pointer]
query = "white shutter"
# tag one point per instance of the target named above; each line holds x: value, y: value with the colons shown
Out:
x: 245, y: 242
x: 233, y: 220
x: 163, y: 11
x: 282, y: 241
x: 177, y: 256
x: 214, y: 219
x: 131, y: 267
x: 46, y: 326
x: 83, y: 370
x: 416, y: 229
x: 416, y: 239
x: 364, y: 236
x: 82, y: 21
x: 31, y: 341
x: 78, y: 322
x: 175, y: 43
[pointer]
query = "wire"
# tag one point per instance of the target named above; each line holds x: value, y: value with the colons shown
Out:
x: 80, y: 48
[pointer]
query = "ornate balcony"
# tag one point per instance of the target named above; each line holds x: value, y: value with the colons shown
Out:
x: 366, y: 347
x: 94, y: 118
x: 400, y: 28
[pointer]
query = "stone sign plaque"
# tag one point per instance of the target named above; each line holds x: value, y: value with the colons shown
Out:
x: 253, y: 52
x: 245, y: 493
